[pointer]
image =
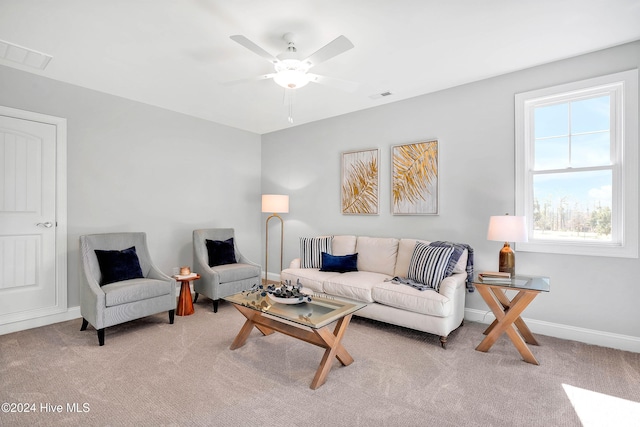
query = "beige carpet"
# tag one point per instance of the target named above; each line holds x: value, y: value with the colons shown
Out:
x: 153, y: 373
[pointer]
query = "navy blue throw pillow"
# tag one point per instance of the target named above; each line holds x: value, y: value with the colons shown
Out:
x: 339, y: 263
x: 117, y: 266
x: 221, y: 252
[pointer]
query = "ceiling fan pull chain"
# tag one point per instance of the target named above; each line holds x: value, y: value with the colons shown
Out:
x: 290, y: 94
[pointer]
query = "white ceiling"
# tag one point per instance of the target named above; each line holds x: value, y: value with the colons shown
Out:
x: 176, y: 54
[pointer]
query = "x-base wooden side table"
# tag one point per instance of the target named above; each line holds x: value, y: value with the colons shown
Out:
x: 507, y: 311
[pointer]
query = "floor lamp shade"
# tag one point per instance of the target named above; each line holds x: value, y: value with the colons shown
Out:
x: 275, y: 204
x: 507, y: 228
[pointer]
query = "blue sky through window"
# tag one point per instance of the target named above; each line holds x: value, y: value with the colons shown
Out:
x: 570, y: 136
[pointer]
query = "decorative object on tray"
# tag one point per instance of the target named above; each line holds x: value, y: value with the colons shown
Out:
x: 185, y: 271
x: 286, y: 293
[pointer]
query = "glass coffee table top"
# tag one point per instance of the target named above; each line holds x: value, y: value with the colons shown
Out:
x: 317, y: 313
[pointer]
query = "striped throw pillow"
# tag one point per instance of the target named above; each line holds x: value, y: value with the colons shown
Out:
x: 429, y: 264
x: 311, y: 249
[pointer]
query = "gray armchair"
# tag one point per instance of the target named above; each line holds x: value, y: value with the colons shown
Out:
x: 221, y: 280
x: 121, y: 301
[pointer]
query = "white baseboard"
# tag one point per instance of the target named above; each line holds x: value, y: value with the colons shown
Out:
x: 588, y: 336
x: 272, y: 276
x: 70, y: 314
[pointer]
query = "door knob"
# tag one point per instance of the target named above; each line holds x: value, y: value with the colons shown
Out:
x: 45, y: 224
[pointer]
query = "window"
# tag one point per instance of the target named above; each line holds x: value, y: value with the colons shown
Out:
x: 577, y: 166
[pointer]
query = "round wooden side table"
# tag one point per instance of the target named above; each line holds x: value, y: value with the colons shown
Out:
x: 185, y: 303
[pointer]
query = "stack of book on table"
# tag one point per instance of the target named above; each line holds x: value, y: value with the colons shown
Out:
x: 495, y: 277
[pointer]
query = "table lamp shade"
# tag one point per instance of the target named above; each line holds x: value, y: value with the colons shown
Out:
x: 275, y: 203
x: 507, y: 228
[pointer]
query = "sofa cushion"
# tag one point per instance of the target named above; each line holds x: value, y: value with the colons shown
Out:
x: 311, y: 278
x: 133, y: 290
x: 377, y: 254
x: 116, y: 266
x: 236, y: 272
x: 354, y: 285
x: 311, y: 249
x: 221, y: 252
x: 429, y: 264
x: 343, y: 245
x: 339, y: 263
x: 407, y: 298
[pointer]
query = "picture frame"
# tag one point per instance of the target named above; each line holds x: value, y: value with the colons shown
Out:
x: 414, y: 178
x: 360, y: 182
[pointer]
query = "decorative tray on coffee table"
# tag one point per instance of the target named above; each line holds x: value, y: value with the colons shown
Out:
x: 286, y: 293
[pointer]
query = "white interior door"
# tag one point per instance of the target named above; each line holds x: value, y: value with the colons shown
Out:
x: 29, y: 285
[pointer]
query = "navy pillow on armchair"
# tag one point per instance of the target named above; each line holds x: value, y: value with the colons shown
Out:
x: 116, y: 266
x: 221, y: 252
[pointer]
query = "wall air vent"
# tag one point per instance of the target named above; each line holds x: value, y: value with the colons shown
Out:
x: 22, y: 55
x: 381, y: 94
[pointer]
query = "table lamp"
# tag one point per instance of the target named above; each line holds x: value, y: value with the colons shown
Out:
x: 507, y: 228
x: 274, y: 203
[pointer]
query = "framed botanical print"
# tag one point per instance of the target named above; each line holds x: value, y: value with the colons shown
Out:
x: 359, y: 189
x: 414, y: 179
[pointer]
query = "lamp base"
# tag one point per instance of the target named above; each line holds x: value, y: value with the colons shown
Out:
x: 507, y: 260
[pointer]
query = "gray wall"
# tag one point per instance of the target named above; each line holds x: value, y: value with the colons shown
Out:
x: 133, y: 167
x: 474, y: 125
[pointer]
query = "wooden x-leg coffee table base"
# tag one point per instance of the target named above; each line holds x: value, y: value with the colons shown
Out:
x: 322, y: 337
x: 508, y: 319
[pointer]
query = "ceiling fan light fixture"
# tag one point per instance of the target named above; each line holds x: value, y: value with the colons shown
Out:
x: 291, y: 79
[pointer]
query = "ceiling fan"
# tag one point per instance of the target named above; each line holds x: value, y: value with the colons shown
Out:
x: 292, y: 72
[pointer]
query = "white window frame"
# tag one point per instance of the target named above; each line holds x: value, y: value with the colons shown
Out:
x: 623, y: 89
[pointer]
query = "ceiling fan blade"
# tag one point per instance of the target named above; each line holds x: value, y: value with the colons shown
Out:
x: 254, y: 48
x: 345, y: 85
x: 252, y: 79
x: 336, y: 47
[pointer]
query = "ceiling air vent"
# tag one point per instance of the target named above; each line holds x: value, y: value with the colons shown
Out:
x: 22, y: 55
x: 381, y: 94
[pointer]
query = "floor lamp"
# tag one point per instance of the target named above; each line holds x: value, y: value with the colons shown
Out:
x: 274, y: 203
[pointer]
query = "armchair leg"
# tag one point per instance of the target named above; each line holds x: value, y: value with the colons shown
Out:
x: 171, y: 316
x: 84, y: 324
x: 215, y: 305
x: 195, y: 298
x: 101, y: 336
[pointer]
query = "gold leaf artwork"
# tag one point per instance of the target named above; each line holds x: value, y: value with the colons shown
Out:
x: 415, y: 175
x: 360, y: 182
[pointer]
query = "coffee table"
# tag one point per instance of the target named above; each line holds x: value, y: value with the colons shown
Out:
x: 307, y: 321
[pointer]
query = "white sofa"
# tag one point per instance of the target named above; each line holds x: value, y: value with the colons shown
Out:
x: 378, y: 261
